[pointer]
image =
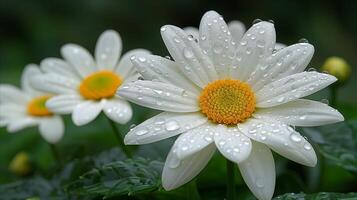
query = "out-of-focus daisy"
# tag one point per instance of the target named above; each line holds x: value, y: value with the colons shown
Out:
x: 235, y: 27
x: 85, y: 86
x: 25, y: 107
x: 239, y: 97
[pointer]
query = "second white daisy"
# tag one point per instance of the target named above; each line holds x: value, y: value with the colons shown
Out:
x: 84, y: 86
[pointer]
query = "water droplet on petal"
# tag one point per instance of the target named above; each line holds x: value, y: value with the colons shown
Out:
x: 172, y: 125
x: 256, y: 21
x: 307, y: 146
x: 141, y: 131
x: 295, y: 137
x: 188, y: 53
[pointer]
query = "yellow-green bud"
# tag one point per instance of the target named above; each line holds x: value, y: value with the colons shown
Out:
x: 20, y: 164
x: 33, y: 198
x: 337, y: 67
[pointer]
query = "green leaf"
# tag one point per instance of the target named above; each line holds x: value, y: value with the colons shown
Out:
x: 129, y: 177
x: 337, y: 143
x: 317, y: 196
x: 34, y: 187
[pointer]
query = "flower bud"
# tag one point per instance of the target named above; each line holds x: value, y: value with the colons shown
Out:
x: 20, y: 164
x: 337, y: 67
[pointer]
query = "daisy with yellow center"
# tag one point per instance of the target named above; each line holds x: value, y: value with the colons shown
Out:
x: 85, y: 86
x: 26, y: 107
x: 237, y: 97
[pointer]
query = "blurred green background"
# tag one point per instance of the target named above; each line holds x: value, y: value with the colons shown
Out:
x: 32, y: 30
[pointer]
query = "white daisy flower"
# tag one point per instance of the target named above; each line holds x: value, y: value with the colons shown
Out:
x: 235, y: 27
x: 25, y: 107
x: 84, y: 86
x: 241, y: 100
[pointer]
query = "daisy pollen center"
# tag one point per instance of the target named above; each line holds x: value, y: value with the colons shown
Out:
x: 99, y: 85
x: 37, y: 107
x: 227, y: 101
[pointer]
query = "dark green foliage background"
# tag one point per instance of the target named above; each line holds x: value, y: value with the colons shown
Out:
x: 35, y: 29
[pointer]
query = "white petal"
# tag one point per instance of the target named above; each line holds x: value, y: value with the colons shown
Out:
x: 60, y: 67
x: 194, y: 140
x: 258, y: 171
x: 29, y: 72
x: 125, y: 68
x: 302, y: 112
x: 237, y: 30
x: 177, y: 172
x: 52, y: 129
x: 161, y: 96
x: 12, y: 94
x: 118, y: 110
x: 156, y: 68
x: 162, y: 126
x: 80, y: 58
x: 216, y: 41
x: 86, y: 112
x: 108, y: 49
x: 11, y: 110
x: 55, y: 84
x: 281, y: 138
x: 257, y: 44
x: 292, y: 87
x: 192, y: 31
x: 21, y: 123
x: 233, y: 144
x: 290, y: 60
x: 64, y: 104
x: 188, y: 55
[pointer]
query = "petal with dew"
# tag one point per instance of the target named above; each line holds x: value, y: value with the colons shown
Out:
x: 196, y: 65
x: 194, y: 140
x: 162, y: 126
x: 107, y: 50
x: 288, y: 61
x: 79, y: 58
x: 258, y: 171
x: 177, y: 171
x: 86, y: 112
x: 118, y: 110
x: 302, y: 112
x: 125, y: 67
x: 157, y: 68
x: 161, y: 96
x: 292, y: 87
x: 216, y: 42
x: 232, y: 144
x: 257, y: 44
x: 281, y: 138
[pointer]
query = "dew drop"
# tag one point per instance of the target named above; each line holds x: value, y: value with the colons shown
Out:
x: 187, y: 53
x: 259, y: 183
x: 303, y: 40
x: 141, y: 131
x: 172, y: 125
x: 295, y: 137
x: 163, y: 29
x: 307, y: 146
x: 256, y: 21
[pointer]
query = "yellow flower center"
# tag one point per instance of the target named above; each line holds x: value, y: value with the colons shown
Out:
x: 227, y: 101
x: 37, y: 107
x: 100, y: 85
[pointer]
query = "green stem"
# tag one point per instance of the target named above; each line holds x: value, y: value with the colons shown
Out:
x: 192, y: 191
x: 333, y: 95
x: 120, y: 139
x: 230, y: 181
x: 55, y: 153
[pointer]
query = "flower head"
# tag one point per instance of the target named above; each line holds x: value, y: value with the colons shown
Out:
x: 85, y: 86
x: 237, y: 97
x: 26, y: 107
x: 337, y: 67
